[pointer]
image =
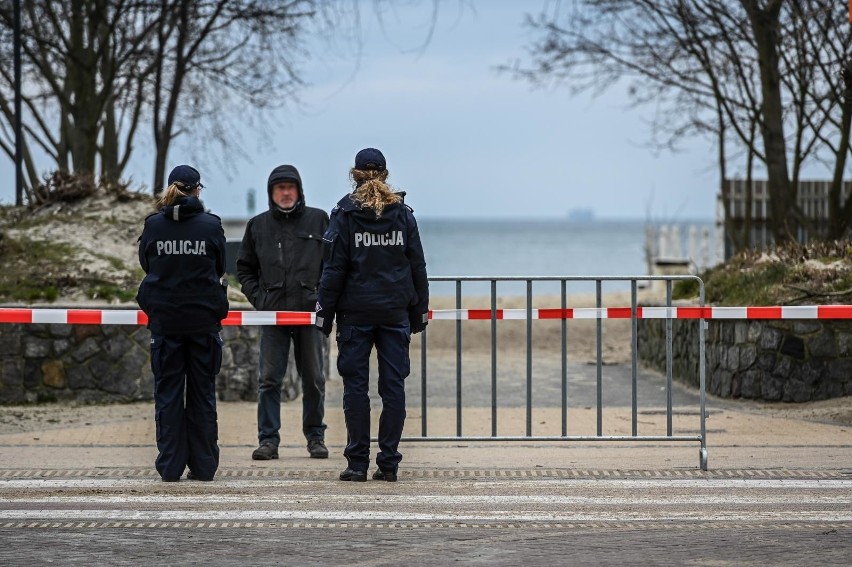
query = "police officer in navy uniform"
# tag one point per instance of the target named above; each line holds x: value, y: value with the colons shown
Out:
x: 374, y: 283
x: 182, y: 250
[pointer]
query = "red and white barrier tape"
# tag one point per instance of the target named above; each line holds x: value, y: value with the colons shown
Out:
x: 128, y: 317
x: 248, y: 318
x: 778, y: 312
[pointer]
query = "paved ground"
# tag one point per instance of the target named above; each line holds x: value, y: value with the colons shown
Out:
x: 77, y: 486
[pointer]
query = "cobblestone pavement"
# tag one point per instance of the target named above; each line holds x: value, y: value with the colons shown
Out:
x: 697, y: 544
x: 493, y: 517
x: 82, y: 491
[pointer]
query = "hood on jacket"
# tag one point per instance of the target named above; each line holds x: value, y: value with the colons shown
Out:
x: 285, y: 173
x: 184, y: 208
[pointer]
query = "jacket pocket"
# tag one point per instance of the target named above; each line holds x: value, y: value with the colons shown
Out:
x: 156, y: 354
x: 309, y: 236
x: 269, y: 296
x: 309, y: 293
x: 216, y: 345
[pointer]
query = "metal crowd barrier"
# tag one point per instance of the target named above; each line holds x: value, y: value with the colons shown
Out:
x: 564, y: 314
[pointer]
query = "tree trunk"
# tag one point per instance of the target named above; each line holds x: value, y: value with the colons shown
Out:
x: 730, y: 229
x: 765, y: 24
x: 840, y: 216
x: 83, y: 84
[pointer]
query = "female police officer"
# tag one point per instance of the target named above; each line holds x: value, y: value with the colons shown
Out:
x: 374, y: 282
x: 182, y: 250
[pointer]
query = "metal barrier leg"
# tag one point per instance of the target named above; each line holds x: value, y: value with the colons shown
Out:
x: 423, y: 404
x: 599, y: 357
x: 458, y: 361
x: 529, y: 357
x: 669, y: 358
x: 494, y: 358
x: 702, y: 456
x: 634, y: 376
x: 564, y: 361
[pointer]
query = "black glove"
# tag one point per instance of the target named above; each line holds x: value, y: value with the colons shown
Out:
x: 418, y: 321
x: 324, y: 320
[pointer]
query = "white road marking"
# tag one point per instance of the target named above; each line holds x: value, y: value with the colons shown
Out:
x: 554, y: 500
x: 364, y: 516
x: 450, y: 500
x: 543, y: 483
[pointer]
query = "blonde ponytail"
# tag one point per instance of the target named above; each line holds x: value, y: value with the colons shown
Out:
x: 171, y: 194
x: 371, y: 190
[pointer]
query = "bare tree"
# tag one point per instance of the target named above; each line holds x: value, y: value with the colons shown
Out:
x: 96, y: 71
x: 731, y: 68
x: 81, y: 58
x: 96, y: 68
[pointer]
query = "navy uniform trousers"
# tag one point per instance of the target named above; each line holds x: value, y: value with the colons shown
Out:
x: 354, y: 345
x: 185, y: 368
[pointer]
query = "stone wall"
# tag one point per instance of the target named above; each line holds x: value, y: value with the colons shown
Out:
x: 792, y: 361
x: 111, y: 363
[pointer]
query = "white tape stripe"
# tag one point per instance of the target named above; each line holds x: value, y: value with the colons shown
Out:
x: 518, y: 314
x: 118, y: 318
x: 590, y: 313
x: 800, y: 312
x: 50, y: 315
x: 729, y: 312
x: 258, y: 317
x: 449, y: 314
x: 659, y: 312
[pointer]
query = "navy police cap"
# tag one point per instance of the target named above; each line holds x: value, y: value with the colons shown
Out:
x: 370, y: 158
x: 186, y: 175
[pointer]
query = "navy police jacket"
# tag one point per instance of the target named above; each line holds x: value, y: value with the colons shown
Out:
x: 374, y: 271
x: 182, y: 250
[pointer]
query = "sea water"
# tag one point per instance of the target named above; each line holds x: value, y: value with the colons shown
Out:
x: 496, y: 248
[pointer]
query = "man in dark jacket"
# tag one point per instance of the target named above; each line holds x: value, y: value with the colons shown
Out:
x: 279, y: 267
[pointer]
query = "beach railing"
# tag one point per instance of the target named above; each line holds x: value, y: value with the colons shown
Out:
x: 564, y: 314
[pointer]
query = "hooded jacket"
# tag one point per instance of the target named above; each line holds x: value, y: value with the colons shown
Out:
x: 375, y: 271
x: 280, y: 258
x: 182, y: 251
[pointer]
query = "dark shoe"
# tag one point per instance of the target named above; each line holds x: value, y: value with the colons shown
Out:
x: 317, y: 449
x: 171, y: 479
x: 353, y: 475
x: 265, y: 452
x: 389, y: 476
x: 191, y: 476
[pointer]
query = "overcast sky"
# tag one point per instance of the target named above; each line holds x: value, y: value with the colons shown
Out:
x: 462, y: 139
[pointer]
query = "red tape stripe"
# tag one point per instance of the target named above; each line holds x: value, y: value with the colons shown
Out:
x: 620, y: 313
x: 834, y: 311
x: 295, y: 318
x: 84, y: 317
x: 16, y: 316
x: 763, y: 312
x: 483, y: 314
x: 555, y: 313
x: 234, y: 318
x: 693, y: 312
